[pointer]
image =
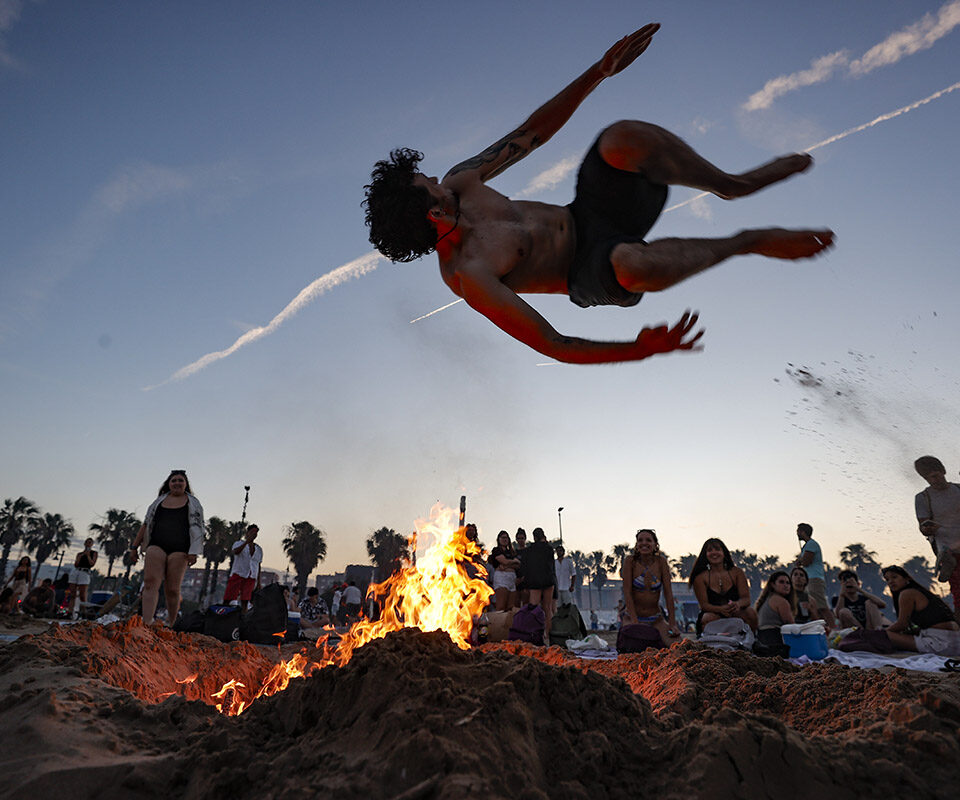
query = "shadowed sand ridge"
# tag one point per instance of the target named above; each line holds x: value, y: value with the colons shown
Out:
x: 412, y: 716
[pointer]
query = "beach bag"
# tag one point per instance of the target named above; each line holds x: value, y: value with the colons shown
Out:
x: 528, y: 625
x: 223, y: 623
x: 859, y: 640
x: 728, y: 634
x: 769, y: 643
x: 190, y: 623
x: 567, y: 624
x: 638, y: 637
x: 266, y: 622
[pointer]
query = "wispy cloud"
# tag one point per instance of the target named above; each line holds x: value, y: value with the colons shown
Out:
x: 822, y: 69
x: 920, y: 35
x: 322, y: 285
x: 9, y: 14
x: 131, y: 187
x: 551, y: 177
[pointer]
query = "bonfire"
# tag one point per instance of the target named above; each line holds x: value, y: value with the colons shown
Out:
x: 439, y: 590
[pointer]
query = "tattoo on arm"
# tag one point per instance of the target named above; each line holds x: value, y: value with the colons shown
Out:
x: 506, y: 149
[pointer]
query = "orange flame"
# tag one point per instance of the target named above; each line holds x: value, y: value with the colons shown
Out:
x: 440, y: 590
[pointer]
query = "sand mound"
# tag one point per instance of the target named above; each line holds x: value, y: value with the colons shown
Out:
x: 412, y: 716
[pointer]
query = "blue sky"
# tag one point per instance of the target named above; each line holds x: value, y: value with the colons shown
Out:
x: 175, y: 174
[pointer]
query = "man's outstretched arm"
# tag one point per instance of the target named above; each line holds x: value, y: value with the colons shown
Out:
x: 552, y: 115
x: 509, y: 312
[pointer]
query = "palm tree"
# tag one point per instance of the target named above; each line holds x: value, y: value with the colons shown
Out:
x: 683, y: 566
x: 921, y: 570
x: 756, y: 568
x: 216, y: 549
x: 305, y: 546
x: 388, y: 550
x: 46, y: 535
x: 864, y: 562
x: 596, y: 570
x: 115, y: 533
x: 16, y: 517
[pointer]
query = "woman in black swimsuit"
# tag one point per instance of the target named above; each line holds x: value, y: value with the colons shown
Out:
x: 720, y: 586
x: 171, y: 537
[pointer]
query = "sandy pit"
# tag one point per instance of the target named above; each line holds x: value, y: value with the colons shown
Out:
x: 110, y: 713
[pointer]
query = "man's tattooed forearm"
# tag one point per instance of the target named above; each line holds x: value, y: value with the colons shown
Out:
x: 514, y: 152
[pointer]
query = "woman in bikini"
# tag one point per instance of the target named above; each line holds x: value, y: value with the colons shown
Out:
x: 720, y: 586
x: 172, y: 538
x: 645, y: 575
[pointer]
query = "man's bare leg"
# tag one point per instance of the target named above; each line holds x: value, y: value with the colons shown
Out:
x: 665, y: 158
x: 652, y: 267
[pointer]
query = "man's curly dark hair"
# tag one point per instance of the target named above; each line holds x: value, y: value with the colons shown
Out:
x: 397, y: 210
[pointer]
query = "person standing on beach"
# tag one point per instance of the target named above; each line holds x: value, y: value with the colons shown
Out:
x: 245, y: 572
x: 80, y: 576
x: 493, y: 249
x: 811, y: 559
x: 566, y: 574
x: 171, y: 538
x: 938, y: 512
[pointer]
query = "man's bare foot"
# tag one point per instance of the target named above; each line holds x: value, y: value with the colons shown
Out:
x: 777, y: 170
x: 782, y: 243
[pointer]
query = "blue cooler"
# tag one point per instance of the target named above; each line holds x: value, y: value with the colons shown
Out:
x: 811, y: 645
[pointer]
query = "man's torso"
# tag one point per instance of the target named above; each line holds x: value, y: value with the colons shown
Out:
x: 528, y: 246
x: 943, y: 506
x: 815, y: 568
x: 244, y: 564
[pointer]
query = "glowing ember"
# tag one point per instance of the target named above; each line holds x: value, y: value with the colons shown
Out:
x: 437, y: 592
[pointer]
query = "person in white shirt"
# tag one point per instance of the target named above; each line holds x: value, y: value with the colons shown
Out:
x: 938, y: 512
x: 566, y: 572
x: 352, y: 600
x: 245, y: 573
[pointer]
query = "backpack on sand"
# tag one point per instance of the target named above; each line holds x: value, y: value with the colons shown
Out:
x: 528, y: 625
x: 637, y: 637
x: 567, y: 624
x: 728, y: 634
x: 266, y: 622
x: 222, y: 622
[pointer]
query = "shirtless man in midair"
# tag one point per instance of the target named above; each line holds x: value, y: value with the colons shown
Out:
x: 492, y: 248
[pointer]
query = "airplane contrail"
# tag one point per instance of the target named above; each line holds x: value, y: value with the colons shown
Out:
x: 844, y: 134
x: 323, y: 284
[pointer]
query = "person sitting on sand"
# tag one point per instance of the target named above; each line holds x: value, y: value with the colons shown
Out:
x: 41, y: 599
x: 313, y: 613
x: 645, y: 574
x: 6, y: 600
x: 492, y: 249
x: 855, y: 607
x: 800, y: 579
x: 720, y: 586
x: 19, y: 582
x: 505, y: 563
x: 919, y: 608
x: 776, y: 607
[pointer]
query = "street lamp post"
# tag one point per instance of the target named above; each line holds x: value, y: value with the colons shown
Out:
x: 560, y: 523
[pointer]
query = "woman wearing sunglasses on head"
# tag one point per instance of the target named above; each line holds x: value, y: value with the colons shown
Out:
x: 171, y: 539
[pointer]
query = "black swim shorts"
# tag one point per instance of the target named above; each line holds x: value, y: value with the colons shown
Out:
x: 611, y: 206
